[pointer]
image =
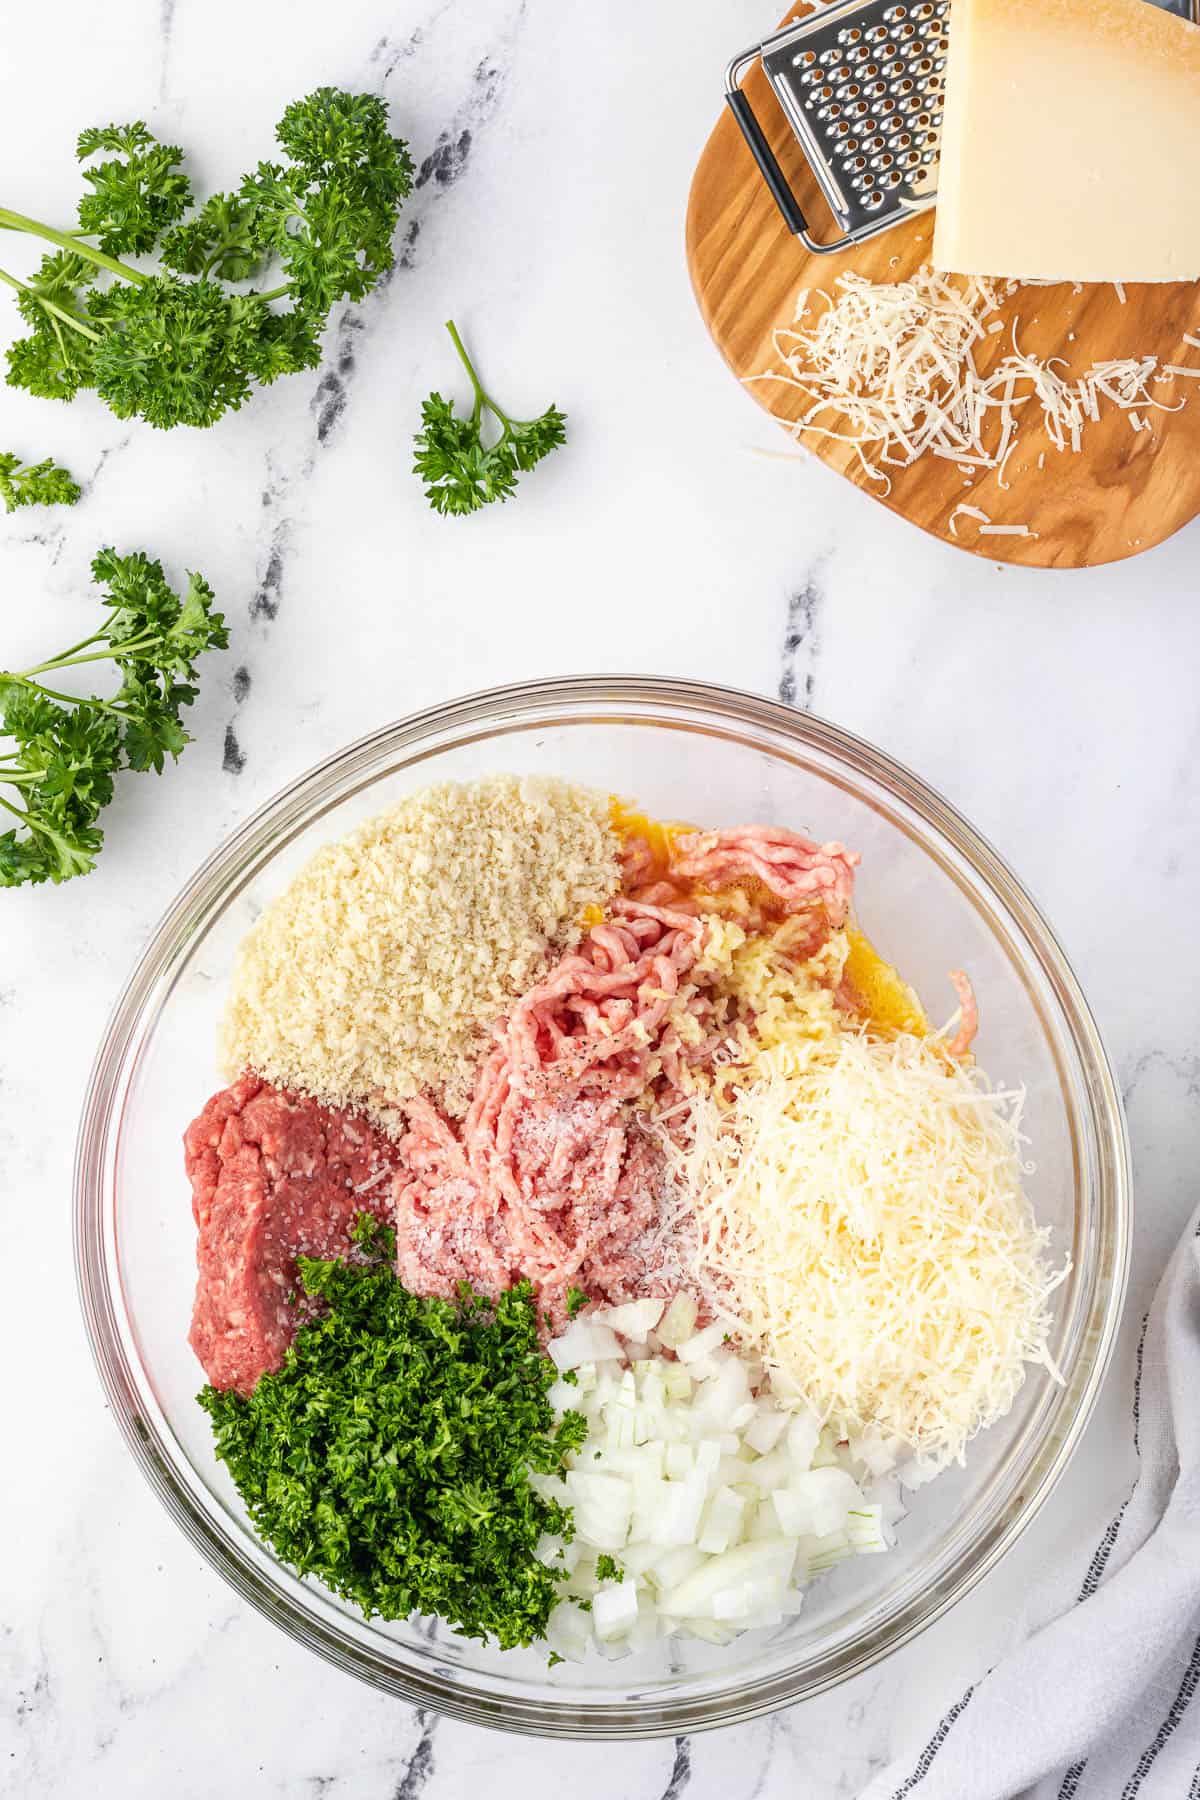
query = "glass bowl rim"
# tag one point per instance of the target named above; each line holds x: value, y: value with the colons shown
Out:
x: 300, y: 798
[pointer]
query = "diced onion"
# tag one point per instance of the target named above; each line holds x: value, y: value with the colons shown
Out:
x: 584, y: 1342
x: 715, y: 1500
x: 633, y: 1320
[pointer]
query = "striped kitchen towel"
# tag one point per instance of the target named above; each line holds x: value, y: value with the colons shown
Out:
x: 1097, y: 1705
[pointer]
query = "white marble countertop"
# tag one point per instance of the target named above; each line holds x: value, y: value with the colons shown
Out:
x: 1058, y: 711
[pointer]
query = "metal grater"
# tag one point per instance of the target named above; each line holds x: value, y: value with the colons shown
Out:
x: 862, y: 84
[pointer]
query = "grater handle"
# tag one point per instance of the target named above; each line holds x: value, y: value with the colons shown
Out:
x: 764, y: 156
x: 769, y: 168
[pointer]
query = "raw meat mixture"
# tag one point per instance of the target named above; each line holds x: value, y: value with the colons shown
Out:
x: 553, y: 1176
x: 801, y: 878
x: 273, y: 1176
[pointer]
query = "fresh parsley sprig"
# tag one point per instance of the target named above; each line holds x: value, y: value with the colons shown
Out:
x: 65, y: 749
x: 45, y: 483
x: 176, y: 346
x: 460, y: 471
x: 391, y: 1455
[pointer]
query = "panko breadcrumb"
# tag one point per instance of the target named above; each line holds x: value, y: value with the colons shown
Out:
x: 377, y: 974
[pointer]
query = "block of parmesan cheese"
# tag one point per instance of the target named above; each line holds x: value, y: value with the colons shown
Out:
x: 1071, y: 142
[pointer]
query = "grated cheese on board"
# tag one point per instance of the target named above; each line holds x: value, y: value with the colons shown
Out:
x: 379, y: 971
x: 860, y: 1219
x: 890, y: 369
x: 966, y: 512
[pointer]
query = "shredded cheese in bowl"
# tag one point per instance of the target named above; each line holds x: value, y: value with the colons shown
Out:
x: 859, y: 1218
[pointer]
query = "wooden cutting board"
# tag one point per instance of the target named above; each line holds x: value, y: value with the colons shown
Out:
x: 1122, y: 492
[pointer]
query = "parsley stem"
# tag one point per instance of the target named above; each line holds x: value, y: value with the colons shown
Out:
x: 50, y: 306
x: 128, y: 647
x: 67, y: 699
x: 15, y: 221
x: 17, y: 811
x: 481, y: 398
x: 73, y: 651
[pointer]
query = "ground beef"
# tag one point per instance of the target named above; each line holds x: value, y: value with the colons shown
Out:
x: 273, y: 1175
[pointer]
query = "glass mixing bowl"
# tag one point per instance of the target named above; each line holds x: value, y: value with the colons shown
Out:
x: 931, y: 895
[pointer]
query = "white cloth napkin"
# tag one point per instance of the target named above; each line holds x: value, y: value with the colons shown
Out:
x: 1096, y: 1704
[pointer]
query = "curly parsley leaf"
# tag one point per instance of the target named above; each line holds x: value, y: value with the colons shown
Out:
x: 219, y: 241
x: 178, y: 346
x: 391, y: 1456
x: 62, y: 751
x: 460, y: 471
x: 170, y: 353
x: 330, y: 216
x: 137, y: 194
x: 45, y: 483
